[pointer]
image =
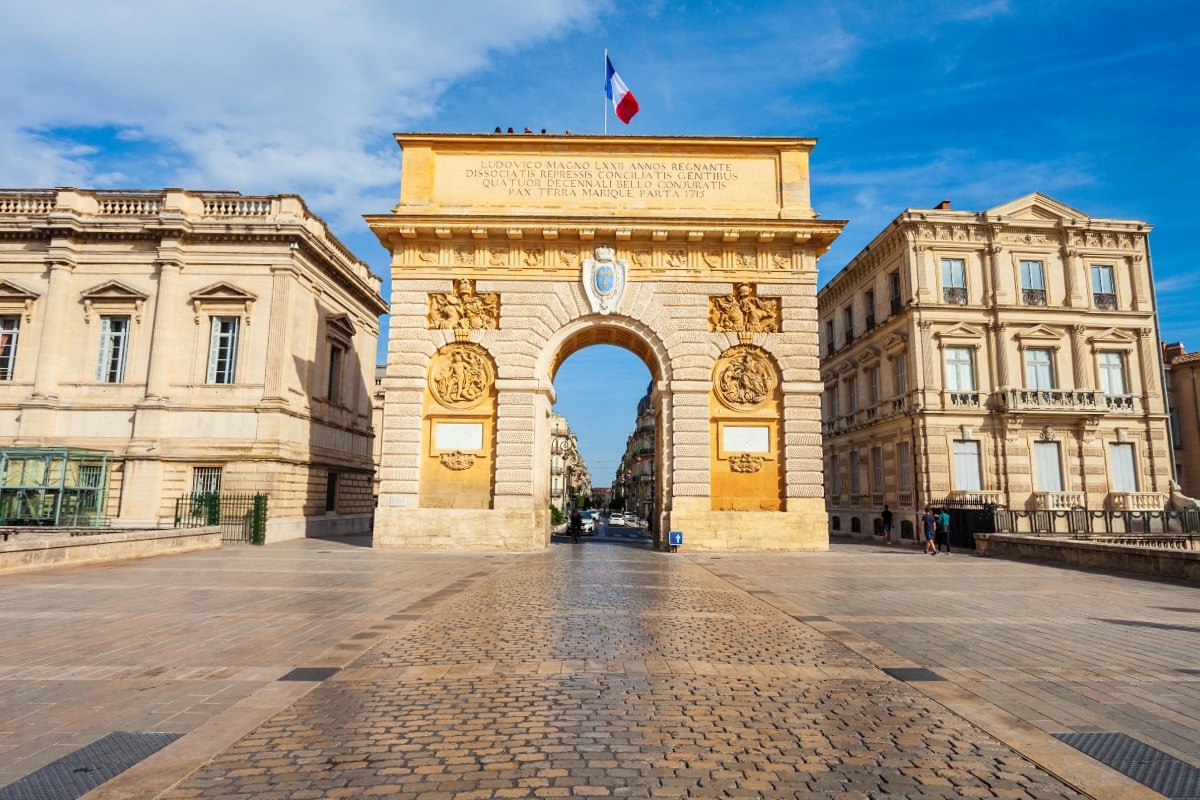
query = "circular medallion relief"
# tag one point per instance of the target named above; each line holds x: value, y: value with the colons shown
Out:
x: 743, y: 378
x: 461, y: 375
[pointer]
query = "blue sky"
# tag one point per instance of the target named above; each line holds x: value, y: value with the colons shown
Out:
x: 1093, y: 103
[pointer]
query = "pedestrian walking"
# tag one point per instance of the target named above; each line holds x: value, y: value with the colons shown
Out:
x: 943, y: 531
x: 887, y: 524
x: 927, y: 528
x: 576, y: 524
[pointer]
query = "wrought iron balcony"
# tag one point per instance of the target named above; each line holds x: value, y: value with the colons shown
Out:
x: 1033, y: 297
x: 955, y: 295
x: 897, y: 306
x: 1105, y: 302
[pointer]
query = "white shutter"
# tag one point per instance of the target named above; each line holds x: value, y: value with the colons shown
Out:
x: 1047, y: 467
x: 1124, y: 475
x: 967, y: 475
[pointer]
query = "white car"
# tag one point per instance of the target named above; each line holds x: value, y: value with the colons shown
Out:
x: 631, y: 519
x: 615, y: 520
x: 589, y: 525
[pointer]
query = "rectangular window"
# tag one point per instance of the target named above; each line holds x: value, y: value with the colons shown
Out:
x: 835, y: 473
x: 1047, y: 467
x: 331, y: 487
x: 222, y: 349
x: 206, y: 480
x: 869, y: 302
x: 954, y: 281
x: 1039, y: 369
x: 852, y: 395
x: 114, y: 343
x: 1033, y: 285
x: 873, y: 384
x: 968, y: 471
x: 894, y: 291
x: 10, y: 327
x: 1112, y: 372
x: 1104, y: 293
x: 848, y: 324
x: 960, y: 369
x: 901, y: 376
x: 1124, y: 474
x: 829, y: 343
x: 877, y: 469
x: 855, y: 482
x: 1176, y: 436
x: 904, y: 457
x: 834, y: 405
x: 333, y: 387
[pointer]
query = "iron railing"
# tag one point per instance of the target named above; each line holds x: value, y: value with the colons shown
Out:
x: 242, y: 517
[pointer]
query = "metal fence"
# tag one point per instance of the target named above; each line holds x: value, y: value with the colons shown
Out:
x: 242, y: 517
x: 967, y: 519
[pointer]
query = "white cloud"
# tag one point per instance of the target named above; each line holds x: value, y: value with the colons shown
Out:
x: 271, y: 96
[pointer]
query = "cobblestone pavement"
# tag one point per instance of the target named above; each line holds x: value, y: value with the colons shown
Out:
x: 610, y: 671
x: 594, y: 669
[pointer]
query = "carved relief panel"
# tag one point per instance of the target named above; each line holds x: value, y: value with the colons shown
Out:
x: 464, y: 309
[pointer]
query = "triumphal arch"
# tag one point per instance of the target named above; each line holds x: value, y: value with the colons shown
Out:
x: 510, y: 253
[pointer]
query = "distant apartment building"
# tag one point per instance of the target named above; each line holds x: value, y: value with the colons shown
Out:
x: 569, y: 476
x: 209, y: 342
x: 1005, y: 357
x: 1183, y: 400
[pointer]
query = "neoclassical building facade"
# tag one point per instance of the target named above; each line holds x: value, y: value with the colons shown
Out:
x: 1008, y: 356
x: 209, y: 341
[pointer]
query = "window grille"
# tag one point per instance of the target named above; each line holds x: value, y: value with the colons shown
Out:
x: 206, y: 480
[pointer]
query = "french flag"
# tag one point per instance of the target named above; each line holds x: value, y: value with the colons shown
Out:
x: 624, y: 103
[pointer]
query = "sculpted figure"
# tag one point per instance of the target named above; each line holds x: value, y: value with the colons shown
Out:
x: 464, y: 308
x: 744, y: 378
x: 460, y: 375
x: 743, y: 312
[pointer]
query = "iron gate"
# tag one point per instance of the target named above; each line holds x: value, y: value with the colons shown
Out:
x: 242, y: 517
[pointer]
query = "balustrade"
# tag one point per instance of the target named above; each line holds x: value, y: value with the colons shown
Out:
x: 976, y: 497
x: 1058, y: 501
x: 1136, y: 501
x: 1076, y: 400
x: 1121, y: 403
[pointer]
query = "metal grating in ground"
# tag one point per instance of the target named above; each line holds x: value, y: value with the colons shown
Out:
x: 913, y: 674
x: 1163, y: 773
x: 76, y: 774
x: 308, y: 674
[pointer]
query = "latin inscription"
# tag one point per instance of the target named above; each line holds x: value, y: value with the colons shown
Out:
x: 603, y: 178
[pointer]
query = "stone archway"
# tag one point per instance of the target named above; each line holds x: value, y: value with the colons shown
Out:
x: 511, y: 252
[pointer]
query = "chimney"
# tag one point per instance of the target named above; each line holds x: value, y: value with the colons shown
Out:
x: 1172, y: 351
x: 943, y: 206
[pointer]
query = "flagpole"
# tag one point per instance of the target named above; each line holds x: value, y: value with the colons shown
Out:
x: 606, y: 91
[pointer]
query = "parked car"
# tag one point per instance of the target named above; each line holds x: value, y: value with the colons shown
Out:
x: 615, y: 520
x: 589, y: 525
x: 631, y: 518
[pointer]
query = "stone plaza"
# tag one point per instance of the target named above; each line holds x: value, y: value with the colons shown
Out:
x: 323, y: 668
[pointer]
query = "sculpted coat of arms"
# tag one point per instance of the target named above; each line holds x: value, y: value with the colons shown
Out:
x: 604, y: 280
